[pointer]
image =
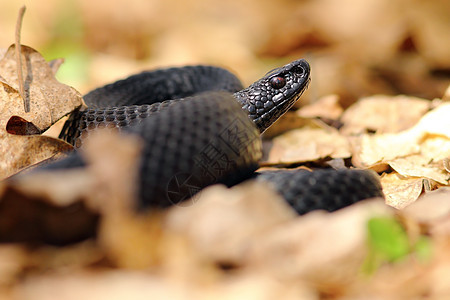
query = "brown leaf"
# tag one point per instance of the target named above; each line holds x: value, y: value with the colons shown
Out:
x: 401, y: 191
x: 290, y: 120
x: 49, y: 101
x: 18, y: 152
x: 308, y: 144
x: 327, y: 107
x: 431, y: 132
x: 17, y: 125
x: 383, y: 114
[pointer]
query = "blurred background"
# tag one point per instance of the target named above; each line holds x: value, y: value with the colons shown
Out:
x: 356, y: 48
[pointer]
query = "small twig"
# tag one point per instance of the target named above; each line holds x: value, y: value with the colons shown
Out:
x: 26, y: 100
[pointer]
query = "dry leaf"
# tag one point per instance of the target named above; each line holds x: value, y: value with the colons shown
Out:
x: 308, y: 144
x: 19, y: 152
x: 421, y: 167
x: 49, y: 101
x: 417, y: 154
x: 383, y: 114
x: 327, y: 107
x: 290, y: 120
x: 385, y: 147
x: 400, y: 191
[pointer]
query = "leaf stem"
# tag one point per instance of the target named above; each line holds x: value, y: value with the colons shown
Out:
x: 26, y: 100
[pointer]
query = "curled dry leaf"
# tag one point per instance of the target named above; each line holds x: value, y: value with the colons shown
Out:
x: 432, y: 133
x: 308, y: 144
x: 401, y: 191
x: 49, y: 101
x: 18, y: 152
x: 383, y: 114
x: 418, y: 155
x: 420, y: 167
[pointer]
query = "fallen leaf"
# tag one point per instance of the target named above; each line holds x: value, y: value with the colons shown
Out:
x: 379, y: 148
x: 49, y: 101
x: 383, y: 114
x: 307, y: 144
x: 327, y: 107
x: 420, y: 167
x: 400, y: 191
x: 290, y: 120
x: 18, y: 152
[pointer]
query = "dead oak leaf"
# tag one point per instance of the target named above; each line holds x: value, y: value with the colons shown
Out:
x: 49, y: 99
x: 401, y: 191
x: 384, y: 114
x: 430, y: 137
x: 18, y: 151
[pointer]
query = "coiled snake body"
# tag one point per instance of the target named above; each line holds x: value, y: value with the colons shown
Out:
x: 201, y: 127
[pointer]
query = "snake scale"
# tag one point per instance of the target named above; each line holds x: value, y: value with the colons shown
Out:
x: 201, y: 127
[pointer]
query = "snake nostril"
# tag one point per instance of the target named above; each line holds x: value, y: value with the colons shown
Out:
x: 300, y: 70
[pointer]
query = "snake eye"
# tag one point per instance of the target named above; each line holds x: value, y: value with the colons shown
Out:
x: 277, y: 82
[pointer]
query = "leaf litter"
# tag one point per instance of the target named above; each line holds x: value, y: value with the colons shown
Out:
x: 50, y: 100
x: 240, y: 243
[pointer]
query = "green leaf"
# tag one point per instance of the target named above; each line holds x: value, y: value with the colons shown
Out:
x: 387, y: 238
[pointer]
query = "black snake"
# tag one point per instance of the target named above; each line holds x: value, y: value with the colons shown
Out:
x: 201, y: 127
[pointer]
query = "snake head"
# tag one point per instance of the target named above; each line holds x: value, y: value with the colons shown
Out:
x: 270, y: 97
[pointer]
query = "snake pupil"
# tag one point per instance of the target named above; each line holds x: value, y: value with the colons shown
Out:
x: 277, y: 82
